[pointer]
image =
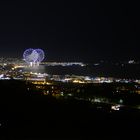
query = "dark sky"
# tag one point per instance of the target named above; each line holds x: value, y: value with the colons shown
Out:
x: 71, y: 30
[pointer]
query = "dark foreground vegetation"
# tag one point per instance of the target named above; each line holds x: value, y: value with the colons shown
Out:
x: 27, y: 114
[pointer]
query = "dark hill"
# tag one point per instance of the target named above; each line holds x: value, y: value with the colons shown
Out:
x: 26, y: 115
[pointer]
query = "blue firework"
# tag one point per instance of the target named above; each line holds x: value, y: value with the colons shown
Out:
x: 33, y: 55
x: 41, y: 55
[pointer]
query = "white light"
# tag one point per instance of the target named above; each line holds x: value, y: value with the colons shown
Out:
x: 115, y: 107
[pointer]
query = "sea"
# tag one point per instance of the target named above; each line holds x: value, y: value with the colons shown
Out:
x: 129, y: 71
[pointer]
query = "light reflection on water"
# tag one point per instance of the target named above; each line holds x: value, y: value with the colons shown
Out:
x: 38, y: 69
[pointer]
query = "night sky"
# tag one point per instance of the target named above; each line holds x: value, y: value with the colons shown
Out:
x: 71, y: 30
